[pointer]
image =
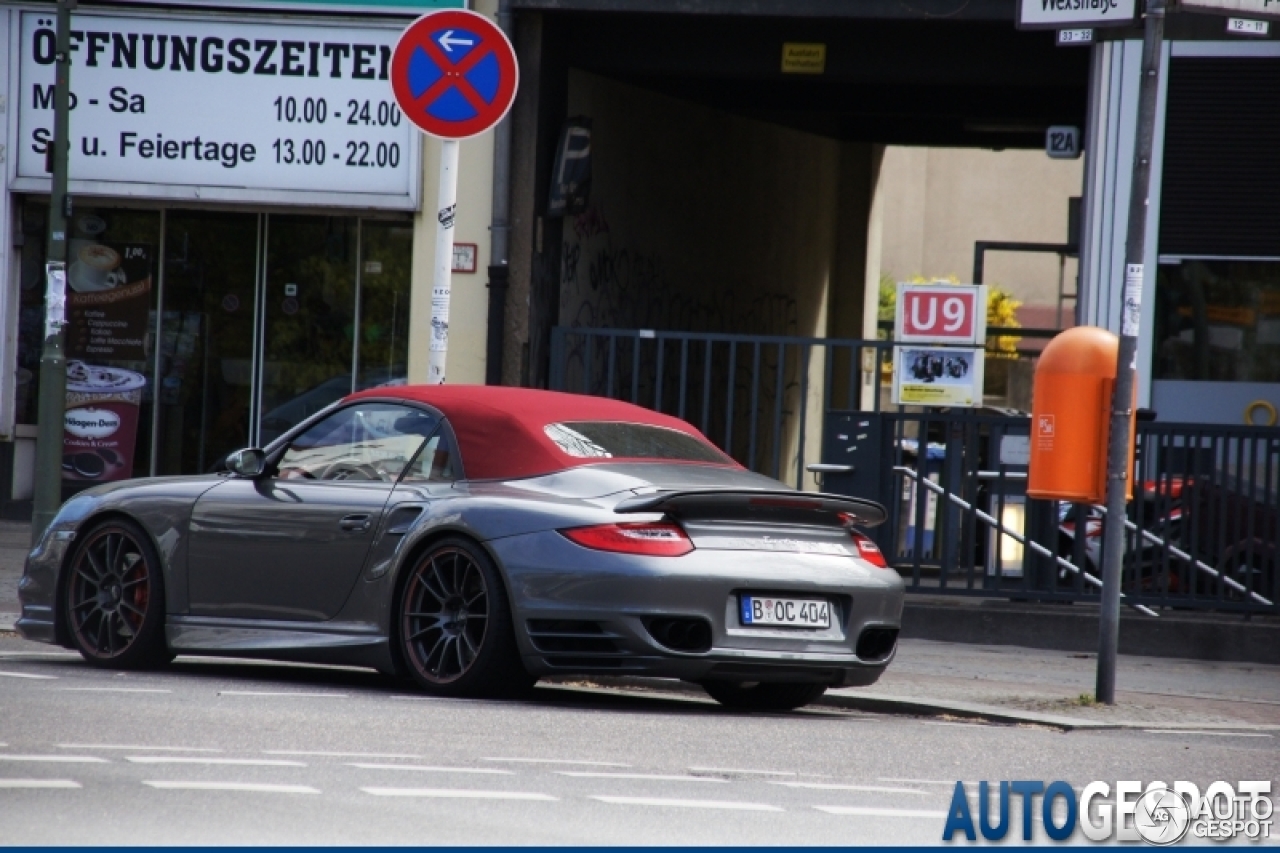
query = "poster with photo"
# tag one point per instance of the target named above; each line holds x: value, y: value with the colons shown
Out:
x: 108, y: 300
x: 938, y: 376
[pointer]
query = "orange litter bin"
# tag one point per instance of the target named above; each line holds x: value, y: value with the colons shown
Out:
x: 1071, y: 417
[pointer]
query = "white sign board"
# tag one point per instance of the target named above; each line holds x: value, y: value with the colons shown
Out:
x: 218, y: 110
x: 1064, y: 14
x: 1246, y: 27
x: 1248, y: 8
x: 1075, y: 38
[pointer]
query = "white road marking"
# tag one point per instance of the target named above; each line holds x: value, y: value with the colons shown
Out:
x: 870, y: 812
x: 38, y: 783
x: 305, y: 753
x: 873, y: 789
x: 137, y: 748
x: 250, y: 787
x: 28, y: 675
x: 656, y: 777
x: 918, y: 781
x: 238, y: 762
x: 56, y: 759
x: 427, y: 769
x: 284, y: 693
x: 114, y: 690
x: 39, y: 655
x: 689, y: 804
x: 1202, y: 732
x: 560, y: 761
x: 459, y: 794
x: 742, y: 772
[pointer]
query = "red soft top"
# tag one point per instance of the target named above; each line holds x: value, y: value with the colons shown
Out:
x: 500, y: 429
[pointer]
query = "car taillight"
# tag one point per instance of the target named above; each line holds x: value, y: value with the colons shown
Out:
x: 654, y: 539
x: 868, y: 550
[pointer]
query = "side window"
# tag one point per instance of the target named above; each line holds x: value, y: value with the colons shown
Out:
x: 436, y: 463
x: 371, y: 441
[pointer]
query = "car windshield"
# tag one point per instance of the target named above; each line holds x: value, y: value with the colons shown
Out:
x: 606, y: 439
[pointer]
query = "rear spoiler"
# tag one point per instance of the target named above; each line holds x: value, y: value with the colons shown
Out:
x: 758, y: 504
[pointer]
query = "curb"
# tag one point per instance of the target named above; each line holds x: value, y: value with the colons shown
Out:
x: 882, y: 704
x: 879, y: 703
x: 1075, y: 629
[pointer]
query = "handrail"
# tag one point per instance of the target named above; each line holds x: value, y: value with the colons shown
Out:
x: 1018, y: 537
x: 1183, y: 555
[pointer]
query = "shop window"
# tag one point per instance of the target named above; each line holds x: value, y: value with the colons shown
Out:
x: 1218, y: 320
x: 206, y: 338
x: 111, y: 303
x: 253, y: 323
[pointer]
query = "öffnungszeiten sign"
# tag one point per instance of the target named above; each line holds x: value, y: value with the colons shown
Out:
x: 1061, y: 14
x: 183, y: 107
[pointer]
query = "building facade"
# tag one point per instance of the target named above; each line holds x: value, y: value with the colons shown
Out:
x: 246, y: 208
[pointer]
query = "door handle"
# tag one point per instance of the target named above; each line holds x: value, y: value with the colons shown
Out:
x: 359, y: 522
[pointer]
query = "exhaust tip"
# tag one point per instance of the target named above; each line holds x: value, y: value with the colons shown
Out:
x: 687, y: 634
x: 877, y: 643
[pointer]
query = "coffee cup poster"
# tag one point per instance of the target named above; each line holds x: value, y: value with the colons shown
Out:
x: 108, y: 297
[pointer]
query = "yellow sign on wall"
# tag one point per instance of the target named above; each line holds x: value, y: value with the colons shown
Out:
x: 798, y: 58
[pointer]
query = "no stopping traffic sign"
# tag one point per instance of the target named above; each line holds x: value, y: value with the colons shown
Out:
x: 454, y: 74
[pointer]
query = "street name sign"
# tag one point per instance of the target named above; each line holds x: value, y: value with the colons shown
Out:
x: 1064, y: 14
x: 454, y: 74
x: 1245, y: 8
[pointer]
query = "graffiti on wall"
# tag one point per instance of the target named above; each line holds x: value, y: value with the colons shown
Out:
x: 608, y: 284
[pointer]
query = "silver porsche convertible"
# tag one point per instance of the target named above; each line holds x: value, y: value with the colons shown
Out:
x: 476, y: 539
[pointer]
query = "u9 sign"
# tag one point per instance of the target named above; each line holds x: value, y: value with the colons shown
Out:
x: 941, y: 313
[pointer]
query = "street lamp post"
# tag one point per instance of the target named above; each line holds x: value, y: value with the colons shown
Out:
x: 53, y: 363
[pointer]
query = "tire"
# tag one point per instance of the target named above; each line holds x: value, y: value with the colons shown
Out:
x: 114, y: 599
x: 764, y: 695
x: 455, y: 630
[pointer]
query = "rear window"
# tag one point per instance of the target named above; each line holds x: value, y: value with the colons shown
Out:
x: 606, y: 439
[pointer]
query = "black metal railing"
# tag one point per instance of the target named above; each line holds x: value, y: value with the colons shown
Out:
x: 760, y: 398
x: 1202, y: 527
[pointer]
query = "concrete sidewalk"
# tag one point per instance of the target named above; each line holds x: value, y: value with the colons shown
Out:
x: 996, y: 683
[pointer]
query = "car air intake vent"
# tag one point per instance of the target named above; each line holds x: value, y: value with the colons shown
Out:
x: 681, y: 633
x: 571, y: 636
x: 877, y: 643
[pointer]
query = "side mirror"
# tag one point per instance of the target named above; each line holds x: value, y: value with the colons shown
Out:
x: 247, y: 463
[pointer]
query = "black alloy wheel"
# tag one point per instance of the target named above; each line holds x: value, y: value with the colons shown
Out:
x: 115, y: 598
x: 455, y: 624
x: 764, y: 695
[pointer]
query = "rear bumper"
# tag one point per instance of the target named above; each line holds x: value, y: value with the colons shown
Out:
x: 604, y: 604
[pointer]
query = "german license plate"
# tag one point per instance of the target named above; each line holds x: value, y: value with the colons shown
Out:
x: 790, y: 612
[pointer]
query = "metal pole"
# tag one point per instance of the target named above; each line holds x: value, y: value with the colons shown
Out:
x: 500, y: 231
x: 1118, y: 473
x: 442, y: 282
x: 53, y: 363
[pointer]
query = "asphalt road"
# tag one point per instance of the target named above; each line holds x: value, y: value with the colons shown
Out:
x: 218, y: 752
